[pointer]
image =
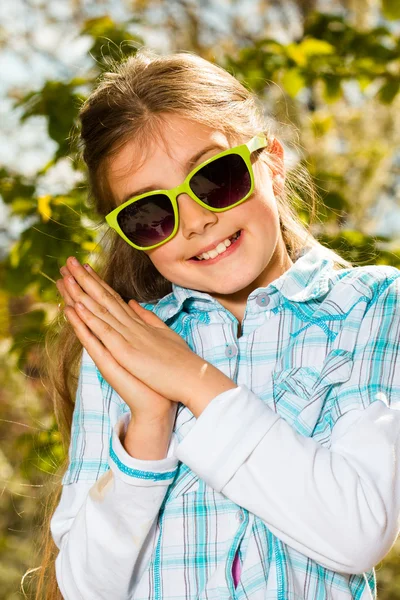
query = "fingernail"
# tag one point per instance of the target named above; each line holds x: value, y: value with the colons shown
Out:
x: 87, y: 267
x: 71, y: 280
x: 74, y: 260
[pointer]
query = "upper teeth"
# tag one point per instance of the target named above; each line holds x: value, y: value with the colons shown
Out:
x: 217, y: 250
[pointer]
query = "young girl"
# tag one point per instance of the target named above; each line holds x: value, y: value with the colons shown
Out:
x: 236, y: 431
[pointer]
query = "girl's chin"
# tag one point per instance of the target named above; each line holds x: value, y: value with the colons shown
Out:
x: 223, y: 288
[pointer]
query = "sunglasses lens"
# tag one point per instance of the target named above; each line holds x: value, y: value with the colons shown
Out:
x: 148, y: 221
x: 222, y: 182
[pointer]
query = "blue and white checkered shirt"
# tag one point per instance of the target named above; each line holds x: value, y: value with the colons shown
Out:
x: 296, y: 469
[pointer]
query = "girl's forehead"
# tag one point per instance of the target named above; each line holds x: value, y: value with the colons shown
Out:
x: 177, y: 141
x: 179, y: 138
x: 177, y: 128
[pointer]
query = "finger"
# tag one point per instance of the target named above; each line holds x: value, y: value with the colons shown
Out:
x: 102, y: 294
x: 93, y: 273
x: 126, y: 306
x: 65, y: 272
x: 94, y: 309
x: 115, y: 342
x: 147, y: 315
x: 106, y: 304
x: 101, y: 282
x: 110, y: 369
x: 65, y: 296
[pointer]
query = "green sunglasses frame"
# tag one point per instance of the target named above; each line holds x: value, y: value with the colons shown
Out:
x: 244, y: 150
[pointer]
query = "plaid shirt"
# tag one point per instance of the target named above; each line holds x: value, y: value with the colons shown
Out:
x: 296, y: 469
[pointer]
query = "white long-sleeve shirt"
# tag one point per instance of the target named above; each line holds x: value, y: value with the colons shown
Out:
x: 296, y: 469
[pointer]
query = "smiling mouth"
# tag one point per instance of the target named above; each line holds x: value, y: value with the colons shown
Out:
x: 233, y: 239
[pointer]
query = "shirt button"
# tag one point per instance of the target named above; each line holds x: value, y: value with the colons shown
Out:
x: 240, y: 515
x: 231, y: 351
x: 263, y: 299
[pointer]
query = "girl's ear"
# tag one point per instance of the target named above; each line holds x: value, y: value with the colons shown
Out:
x: 278, y: 172
x: 277, y: 149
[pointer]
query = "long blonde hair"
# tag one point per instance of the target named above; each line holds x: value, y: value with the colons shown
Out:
x: 129, y: 102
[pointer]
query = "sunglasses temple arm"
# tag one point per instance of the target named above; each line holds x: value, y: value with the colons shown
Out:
x: 259, y: 141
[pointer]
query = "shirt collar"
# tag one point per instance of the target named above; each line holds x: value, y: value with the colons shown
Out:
x: 307, y: 279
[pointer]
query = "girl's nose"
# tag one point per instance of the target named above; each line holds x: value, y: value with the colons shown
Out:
x: 193, y: 218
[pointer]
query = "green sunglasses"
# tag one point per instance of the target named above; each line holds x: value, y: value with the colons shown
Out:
x: 222, y: 182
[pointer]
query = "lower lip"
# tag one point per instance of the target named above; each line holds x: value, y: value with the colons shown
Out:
x: 230, y: 250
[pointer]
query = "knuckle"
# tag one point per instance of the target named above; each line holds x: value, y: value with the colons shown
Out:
x: 103, y: 309
x: 105, y: 295
x: 107, y: 328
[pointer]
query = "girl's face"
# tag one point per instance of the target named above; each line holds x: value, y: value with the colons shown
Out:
x: 256, y: 259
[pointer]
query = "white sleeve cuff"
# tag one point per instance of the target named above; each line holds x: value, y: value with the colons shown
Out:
x: 137, y: 471
x: 225, y: 434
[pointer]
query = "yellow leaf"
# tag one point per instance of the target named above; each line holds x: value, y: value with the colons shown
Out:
x: 354, y: 237
x: 321, y: 124
x: 17, y: 250
x: 76, y: 238
x: 294, y: 51
x: 312, y: 47
x: 90, y: 246
x: 44, y: 207
x: 363, y: 82
x: 14, y: 255
x: 308, y: 47
x: 293, y: 82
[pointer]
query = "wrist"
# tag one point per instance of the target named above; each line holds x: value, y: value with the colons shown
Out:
x: 149, y: 439
x: 157, y: 420
x: 211, y: 383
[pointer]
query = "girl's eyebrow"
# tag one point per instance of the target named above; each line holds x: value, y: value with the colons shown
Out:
x: 188, y: 166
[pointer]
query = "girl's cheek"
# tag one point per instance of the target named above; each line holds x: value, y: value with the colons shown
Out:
x: 162, y: 261
x: 166, y: 255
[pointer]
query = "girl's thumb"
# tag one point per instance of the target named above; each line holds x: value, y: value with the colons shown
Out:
x: 148, y: 317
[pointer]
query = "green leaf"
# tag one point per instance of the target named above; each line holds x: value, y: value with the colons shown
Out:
x: 97, y: 26
x: 391, y: 9
x: 335, y: 201
x: 321, y: 124
x: 332, y: 88
x: 110, y: 39
x: 58, y: 102
x: 355, y: 238
x: 13, y: 185
x: 23, y: 206
x: 389, y: 91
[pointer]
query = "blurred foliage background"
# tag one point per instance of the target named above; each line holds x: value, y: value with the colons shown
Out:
x: 328, y: 71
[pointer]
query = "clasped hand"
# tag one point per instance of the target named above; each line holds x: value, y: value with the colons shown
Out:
x: 134, y: 350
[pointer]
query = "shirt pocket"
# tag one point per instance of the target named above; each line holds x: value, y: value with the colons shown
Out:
x: 300, y: 393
